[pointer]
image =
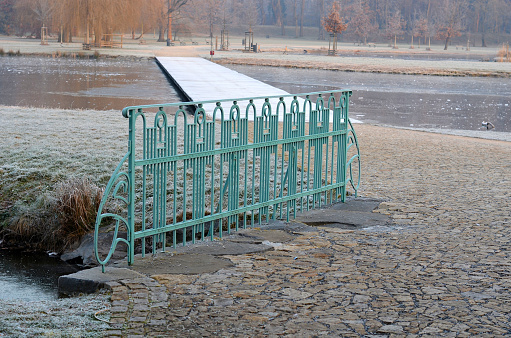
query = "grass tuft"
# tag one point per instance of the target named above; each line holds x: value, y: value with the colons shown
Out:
x: 59, y: 218
x: 77, y: 202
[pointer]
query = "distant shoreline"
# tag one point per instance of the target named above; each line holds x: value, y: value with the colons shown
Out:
x: 362, y: 69
x: 292, y: 53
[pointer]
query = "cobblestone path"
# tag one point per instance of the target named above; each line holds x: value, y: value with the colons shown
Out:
x: 442, y: 268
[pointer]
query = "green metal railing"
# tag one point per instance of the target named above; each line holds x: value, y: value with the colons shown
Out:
x: 189, y: 175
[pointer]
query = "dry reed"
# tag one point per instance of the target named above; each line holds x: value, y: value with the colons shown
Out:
x: 77, y: 202
x: 503, y: 55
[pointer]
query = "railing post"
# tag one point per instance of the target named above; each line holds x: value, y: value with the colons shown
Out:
x: 131, y: 192
x: 344, y: 103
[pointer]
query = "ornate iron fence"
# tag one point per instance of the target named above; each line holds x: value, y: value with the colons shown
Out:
x: 188, y: 174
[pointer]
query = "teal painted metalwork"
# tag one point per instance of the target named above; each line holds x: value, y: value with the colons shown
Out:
x: 188, y: 176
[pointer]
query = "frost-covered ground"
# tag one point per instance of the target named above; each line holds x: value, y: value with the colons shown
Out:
x: 68, y: 317
x: 42, y: 147
x: 58, y: 142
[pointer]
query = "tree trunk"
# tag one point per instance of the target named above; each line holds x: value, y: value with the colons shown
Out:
x: 161, y: 34
x: 446, y: 42
x: 301, y: 18
x: 321, y: 33
x: 295, y: 17
x: 169, y: 29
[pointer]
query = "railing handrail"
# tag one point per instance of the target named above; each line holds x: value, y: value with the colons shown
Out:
x: 196, y: 103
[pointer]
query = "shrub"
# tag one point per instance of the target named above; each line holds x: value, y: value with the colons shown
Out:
x: 2, y: 52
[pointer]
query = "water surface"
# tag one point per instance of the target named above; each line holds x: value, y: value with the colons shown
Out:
x: 404, y: 100
x: 28, y: 276
x: 68, y: 83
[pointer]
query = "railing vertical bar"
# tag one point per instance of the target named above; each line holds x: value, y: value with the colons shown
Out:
x: 212, y: 204
x: 155, y: 191
x: 275, y: 178
x: 221, y: 199
x: 245, y: 190
x: 252, y: 197
x: 164, y: 202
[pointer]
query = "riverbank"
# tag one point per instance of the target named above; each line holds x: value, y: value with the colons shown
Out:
x: 296, y: 53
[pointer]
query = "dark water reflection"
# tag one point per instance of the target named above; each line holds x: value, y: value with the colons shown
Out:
x: 404, y: 100
x: 30, y: 276
x: 101, y: 84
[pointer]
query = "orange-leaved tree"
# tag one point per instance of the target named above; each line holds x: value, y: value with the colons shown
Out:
x: 334, y: 23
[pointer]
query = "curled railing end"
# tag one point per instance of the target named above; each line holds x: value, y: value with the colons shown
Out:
x: 356, y: 156
x: 118, y: 185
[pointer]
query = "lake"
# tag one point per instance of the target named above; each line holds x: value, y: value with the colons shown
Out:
x: 397, y: 100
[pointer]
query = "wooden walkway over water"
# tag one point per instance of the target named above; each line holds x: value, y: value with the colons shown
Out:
x: 202, y: 80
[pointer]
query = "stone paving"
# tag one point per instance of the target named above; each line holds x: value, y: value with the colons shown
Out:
x: 441, y: 268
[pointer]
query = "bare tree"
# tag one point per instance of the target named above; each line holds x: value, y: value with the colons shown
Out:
x: 361, y: 23
x: 173, y: 6
x: 207, y: 13
x: 395, y: 27
x: 421, y: 29
x: 43, y: 10
x: 278, y: 10
x: 449, y: 17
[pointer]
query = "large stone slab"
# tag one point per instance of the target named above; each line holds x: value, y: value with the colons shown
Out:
x: 91, y: 280
x: 354, y: 214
